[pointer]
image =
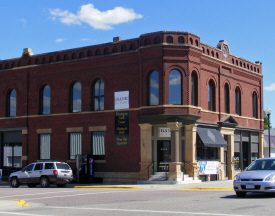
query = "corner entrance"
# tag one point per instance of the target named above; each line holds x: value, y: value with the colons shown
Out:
x: 163, y: 155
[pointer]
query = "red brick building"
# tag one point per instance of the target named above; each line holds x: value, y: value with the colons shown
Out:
x: 164, y: 99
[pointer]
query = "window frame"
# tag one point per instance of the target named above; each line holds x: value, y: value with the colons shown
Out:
x: 42, y: 101
x: 79, y: 150
x: 72, y: 98
x: 254, y: 105
x: 40, y: 147
x: 98, y: 97
x: 211, y: 96
x: 226, y: 98
x: 103, y: 149
x: 238, y: 101
x: 150, y: 87
x: 9, y: 105
x: 180, y: 88
x: 194, y: 89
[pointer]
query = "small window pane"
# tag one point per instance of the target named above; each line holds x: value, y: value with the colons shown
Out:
x: 175, y: 87
x: 99, y: 95
x: 226, y: 98
x: 237, y: 101
x: 45, y: 146
x: 75, y: 144
x: 255, y: 105
x: 46, y: 100
x: 211, y: 95
x: 194, y: 89
x: 99, y: 145
x: 12, y: 103
x: 76, y: 97
x: 154, y: 89
x: 49, y: 165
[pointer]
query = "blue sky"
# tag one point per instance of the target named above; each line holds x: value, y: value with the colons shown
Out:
x: 47, y: 26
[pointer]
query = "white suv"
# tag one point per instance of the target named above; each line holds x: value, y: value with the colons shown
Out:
x: 43, y: 173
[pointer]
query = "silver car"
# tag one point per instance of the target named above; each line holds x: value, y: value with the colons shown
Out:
x: 259, y: 177
x: 43, y: 173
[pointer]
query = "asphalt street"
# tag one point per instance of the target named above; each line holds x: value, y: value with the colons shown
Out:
x: 206, y: 198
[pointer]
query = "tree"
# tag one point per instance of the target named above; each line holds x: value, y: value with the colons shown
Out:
x: 266, y: 121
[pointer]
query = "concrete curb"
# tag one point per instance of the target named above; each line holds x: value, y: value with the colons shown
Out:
x: 21, y: 203
x: 108, y: 187
x: 208, y: 188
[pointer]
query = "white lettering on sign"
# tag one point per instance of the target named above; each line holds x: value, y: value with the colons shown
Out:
x: 164, y: 132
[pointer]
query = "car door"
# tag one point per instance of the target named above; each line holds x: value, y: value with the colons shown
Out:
x: 36, y: 173
x: 25, y: 173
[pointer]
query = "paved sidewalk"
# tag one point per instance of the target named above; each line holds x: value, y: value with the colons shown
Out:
x: 218, y: 185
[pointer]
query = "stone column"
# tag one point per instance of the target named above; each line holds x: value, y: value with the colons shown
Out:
x: 175, y: 173
x: 145, y: 150
x: 261, y: 145
x: 191, y: 151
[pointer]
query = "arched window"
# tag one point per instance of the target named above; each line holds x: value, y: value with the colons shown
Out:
x: 45, y: 100
x: 169, y: 39
x: 154, y: 88
x: 194, y: 89
x: 226, y: 98
x: 238, y: 101
x: 11, y: 103
x: 211, y: 95
x: 255, y: 105
x: 76, y: 97
x: 175, y: 87
x: 98, y: 95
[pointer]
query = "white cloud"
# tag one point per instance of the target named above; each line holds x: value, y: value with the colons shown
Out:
x: 59, y: 40
x: 85, y: 39
x: 95, y: 18
x: 174, y: 81
x: 270, y: 88
x: 24, y: 21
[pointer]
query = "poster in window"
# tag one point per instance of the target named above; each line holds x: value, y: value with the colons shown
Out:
x: 122, y: 128
x: 208, y: 167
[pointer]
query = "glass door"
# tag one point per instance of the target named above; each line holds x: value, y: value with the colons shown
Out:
x: 12, y: 156
x: 164, y: 155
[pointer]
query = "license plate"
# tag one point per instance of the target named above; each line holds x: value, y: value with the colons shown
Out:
x: 249, y: 186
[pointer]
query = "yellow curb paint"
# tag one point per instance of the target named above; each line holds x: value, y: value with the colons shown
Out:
x: 208, y: 188
x: 107, y: 187
x: 22, y: 203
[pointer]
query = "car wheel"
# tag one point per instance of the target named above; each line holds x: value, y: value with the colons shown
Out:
x: 15, y: 182
x: 61, y: 185
x: 44, y: 182
x: 240, y: 194
x: 31, y: 185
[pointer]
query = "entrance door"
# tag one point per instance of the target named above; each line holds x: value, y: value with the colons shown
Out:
x: 12, y: 157
x: 164, y: 155
x: 245, y: 155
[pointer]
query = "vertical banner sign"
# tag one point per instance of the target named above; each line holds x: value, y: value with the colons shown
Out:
x: 122, y: 100
x: 0, y: 174
x: 122, y: 128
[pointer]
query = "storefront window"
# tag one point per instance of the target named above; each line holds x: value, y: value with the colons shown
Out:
x: 237, y: 160
x: 254, y: 156
x: 206, y: 153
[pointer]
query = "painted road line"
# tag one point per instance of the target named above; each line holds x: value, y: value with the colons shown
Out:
x: 21, y: 203
x: 208, y: 188
x: 108, y: 187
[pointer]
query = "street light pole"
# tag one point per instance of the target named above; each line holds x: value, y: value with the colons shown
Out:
x: 268, y: 112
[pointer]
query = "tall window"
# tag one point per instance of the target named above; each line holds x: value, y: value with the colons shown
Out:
x: 45, y: 146
x: 226, y: 98
x: 76, y: 97
x: 255, y: 105
x: 99, y: 95
x: 211, y: 95
x: 194, y: 89
x: 11, y: 103
x: 99, y: 145
x: 154, y: 89
x: 45, y: 100
x: 238, y: 101
x: 175, y: 87
x: 75, y: 144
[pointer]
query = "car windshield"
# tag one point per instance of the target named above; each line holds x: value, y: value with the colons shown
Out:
x: 62, y: 166
x: 268, y: 164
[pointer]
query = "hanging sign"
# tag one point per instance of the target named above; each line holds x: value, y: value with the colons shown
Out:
x: 122, y: 100
x: 122, y: 128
